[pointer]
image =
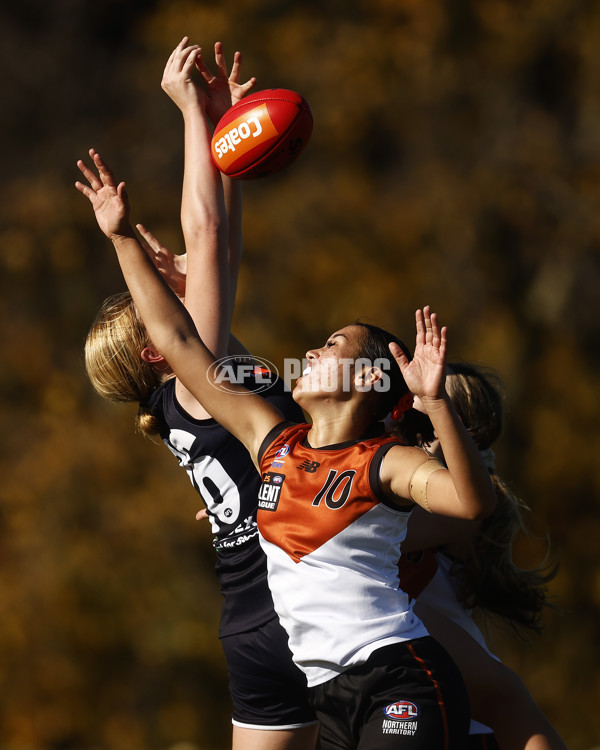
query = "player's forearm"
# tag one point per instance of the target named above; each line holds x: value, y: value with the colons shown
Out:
x: 205, y: 229
x: 233, y: 204
x: 202, y: 203
x: 469, y: 474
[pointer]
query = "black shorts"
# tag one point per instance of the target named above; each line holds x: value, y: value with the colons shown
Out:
x: 267, y: 689
x: 407, y: 695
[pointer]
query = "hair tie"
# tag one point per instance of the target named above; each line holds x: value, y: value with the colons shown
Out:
x: 403, y: 405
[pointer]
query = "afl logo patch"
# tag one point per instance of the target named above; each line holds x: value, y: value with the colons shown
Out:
x: 282, y: 452
x: 402, y: 711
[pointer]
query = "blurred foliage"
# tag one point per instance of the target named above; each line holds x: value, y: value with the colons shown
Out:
x: 455, y: 161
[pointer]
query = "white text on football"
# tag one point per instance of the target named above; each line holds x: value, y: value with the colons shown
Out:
x: 235, y: 136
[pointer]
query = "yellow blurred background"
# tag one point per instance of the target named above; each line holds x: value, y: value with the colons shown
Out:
x: 455, y: 162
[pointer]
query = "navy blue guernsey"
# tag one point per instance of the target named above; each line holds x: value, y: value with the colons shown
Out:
x: 222, y: 472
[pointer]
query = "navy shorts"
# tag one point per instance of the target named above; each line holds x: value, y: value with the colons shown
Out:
x: 267, y: 689
x: 407, y: 695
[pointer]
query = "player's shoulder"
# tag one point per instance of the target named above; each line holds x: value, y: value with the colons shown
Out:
x: 399, y: 451
x: 279, y: 438
x: 400, y: 458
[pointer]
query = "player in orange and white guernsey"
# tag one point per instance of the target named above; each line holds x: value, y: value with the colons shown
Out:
x: 348, y: 603
x: 381, y: 682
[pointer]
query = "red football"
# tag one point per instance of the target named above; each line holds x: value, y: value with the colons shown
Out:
x: 262, y: 134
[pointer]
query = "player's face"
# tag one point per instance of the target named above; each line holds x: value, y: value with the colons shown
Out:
x: 330, y: 368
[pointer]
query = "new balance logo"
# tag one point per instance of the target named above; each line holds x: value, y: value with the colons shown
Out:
x: 309, y: 466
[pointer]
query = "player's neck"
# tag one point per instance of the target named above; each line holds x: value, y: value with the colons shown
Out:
x: 335, y: 426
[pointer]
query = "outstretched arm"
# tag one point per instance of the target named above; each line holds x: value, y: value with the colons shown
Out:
x: 224, y: 90
x: 221, y: 91
x: 203, y: 216
x: 169, y: 325
x: 207, y: 208
x: 464, y: 490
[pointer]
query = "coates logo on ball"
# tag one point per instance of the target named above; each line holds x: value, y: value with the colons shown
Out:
x: 262, y: 134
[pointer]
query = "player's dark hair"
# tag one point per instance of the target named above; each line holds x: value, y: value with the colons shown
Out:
x: 374, y: 346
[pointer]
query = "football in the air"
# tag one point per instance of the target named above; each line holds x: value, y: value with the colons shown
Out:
x: 262, y: 134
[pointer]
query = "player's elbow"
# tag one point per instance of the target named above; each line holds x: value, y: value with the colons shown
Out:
x: 474, y: 515
x: 200, y: 225
x: 175, y: 338
x: 481, y: 508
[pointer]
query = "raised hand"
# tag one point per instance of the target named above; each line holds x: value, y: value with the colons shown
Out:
x: 108, y: 198
x: 172, y: 267
x: 223, y: 90
x: 425, y: 373
x: 178, y: 81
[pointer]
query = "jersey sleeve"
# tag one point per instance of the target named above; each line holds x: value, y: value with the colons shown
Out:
x: 375, y: 478
x: 271, y: 436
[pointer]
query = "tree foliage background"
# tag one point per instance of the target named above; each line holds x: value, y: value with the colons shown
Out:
x: 455, y: 161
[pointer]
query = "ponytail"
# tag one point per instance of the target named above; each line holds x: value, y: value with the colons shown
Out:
x: 488, y: 578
